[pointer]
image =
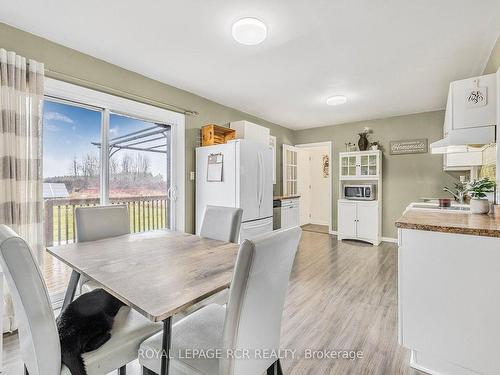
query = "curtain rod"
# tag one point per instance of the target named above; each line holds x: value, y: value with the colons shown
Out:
x: 72, y: 79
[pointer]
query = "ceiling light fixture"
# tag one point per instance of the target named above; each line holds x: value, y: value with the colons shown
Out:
x: 249, y: 31
x: 336, y: 100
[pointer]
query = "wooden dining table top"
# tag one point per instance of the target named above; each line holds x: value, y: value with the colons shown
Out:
x: 158, y: 273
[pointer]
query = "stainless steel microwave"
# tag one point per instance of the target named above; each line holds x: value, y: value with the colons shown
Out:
x: 360, y: 192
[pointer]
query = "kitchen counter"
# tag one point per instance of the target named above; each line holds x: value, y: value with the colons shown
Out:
x: 281, y: 197
x: 450, y: 222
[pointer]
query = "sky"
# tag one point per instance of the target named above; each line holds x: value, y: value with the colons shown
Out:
x: 69, y: 130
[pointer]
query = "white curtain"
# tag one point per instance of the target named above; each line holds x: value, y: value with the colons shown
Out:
x: 21, y: 200
x: 21, y: 100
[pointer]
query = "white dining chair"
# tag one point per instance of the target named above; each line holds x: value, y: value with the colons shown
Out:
x: 251, y: 320
x: 97, y: 223
x: 222, y: 223
x: 38, y: 336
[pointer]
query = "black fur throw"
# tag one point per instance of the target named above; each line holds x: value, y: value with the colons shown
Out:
x: 85, y: 325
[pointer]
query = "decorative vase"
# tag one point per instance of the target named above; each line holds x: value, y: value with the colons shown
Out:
x: 479, y: 206
x: 363, y: 142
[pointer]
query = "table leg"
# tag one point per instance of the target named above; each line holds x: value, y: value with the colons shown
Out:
x: 71, y: 290
x: 165, y: 346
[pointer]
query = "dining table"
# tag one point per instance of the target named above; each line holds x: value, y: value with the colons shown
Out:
x: 158, y: 273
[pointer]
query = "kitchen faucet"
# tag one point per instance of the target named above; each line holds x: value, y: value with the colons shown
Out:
x: 460, y: 193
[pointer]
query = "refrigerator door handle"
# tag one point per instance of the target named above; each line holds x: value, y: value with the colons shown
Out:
x: 261, y: 177
x: 258, y: 178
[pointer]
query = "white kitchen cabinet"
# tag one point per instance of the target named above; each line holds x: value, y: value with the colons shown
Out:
x: 448, y: 301
x: 359, y: 220
x: 367, y: 216
x: 347, y: 219
x: 251, y: 131
x: 290, y: 213
x: 360, y: 165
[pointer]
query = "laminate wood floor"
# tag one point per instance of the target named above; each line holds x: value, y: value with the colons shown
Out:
x: 342, y: 296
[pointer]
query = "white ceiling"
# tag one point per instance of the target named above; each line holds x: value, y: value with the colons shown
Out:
x: 389, y: 57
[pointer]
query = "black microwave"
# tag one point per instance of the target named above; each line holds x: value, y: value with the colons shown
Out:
x: 360, y: 192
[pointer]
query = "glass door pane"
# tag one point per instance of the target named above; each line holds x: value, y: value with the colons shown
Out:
x: 71, y: 165
x: 140, y: 170
x: 352, y: 165
x: 364, y: 165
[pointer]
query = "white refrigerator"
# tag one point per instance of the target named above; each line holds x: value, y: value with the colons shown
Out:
x: 244, y: 180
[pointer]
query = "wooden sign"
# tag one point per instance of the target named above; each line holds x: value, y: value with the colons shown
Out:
x: 411, y: 146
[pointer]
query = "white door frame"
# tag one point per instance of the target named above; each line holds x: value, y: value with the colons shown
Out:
x: 328, y: 144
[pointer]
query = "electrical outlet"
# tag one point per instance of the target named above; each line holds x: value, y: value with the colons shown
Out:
x: 192, y: 176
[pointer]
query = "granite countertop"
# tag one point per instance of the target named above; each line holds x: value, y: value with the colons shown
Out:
x: 451, y: 222
x: 281, y: 197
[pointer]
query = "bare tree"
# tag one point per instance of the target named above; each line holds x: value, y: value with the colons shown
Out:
x: 75, y: 167
x: 113, y: 166
x: 90, y: 166
x: 142, y: 164
x: 127, y: 162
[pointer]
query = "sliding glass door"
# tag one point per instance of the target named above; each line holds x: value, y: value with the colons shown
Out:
x: 94, y: 156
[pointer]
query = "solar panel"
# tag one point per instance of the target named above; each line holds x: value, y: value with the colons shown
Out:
x: 54, y: 190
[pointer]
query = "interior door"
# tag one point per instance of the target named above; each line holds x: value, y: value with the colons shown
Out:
x: 290, y: 166
x: 347, y: 219
x: 367, y: 215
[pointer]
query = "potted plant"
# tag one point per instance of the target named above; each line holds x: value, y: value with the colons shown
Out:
x: 477, y: 190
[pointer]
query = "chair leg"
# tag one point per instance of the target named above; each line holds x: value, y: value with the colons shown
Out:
x: 275, y: 369
x: 278, y: 367
x: 26, y: 371
x: 122, y: 370
x: 146, y: 371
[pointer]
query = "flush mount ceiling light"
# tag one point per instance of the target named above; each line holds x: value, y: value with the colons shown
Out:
x: 336, y: 100
x: 249, y: 31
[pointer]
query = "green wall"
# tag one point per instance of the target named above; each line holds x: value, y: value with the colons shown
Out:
x: 406, y: 178
x: 73, y: 63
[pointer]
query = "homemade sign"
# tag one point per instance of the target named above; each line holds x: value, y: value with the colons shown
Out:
x: 411, y: 146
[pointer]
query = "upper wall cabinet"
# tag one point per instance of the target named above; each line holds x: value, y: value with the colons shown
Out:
x: 360, y: 165
x: 251, y: 131
x: 473, y: 103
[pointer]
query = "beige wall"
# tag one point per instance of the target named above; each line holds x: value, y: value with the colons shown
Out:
x: 101, y: 73
x: 406, y: 178
x: 494, y: 61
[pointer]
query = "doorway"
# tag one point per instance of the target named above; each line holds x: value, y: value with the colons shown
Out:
x: 314, y: 184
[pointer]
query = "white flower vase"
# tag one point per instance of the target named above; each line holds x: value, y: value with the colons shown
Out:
x: 479, y: 205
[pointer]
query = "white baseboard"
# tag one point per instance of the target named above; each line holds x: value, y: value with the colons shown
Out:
x: 389, y: 239
x: 314, y: 222
x: 383, y: 239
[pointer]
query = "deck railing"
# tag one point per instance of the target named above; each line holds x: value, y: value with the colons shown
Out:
x: 145, y: 213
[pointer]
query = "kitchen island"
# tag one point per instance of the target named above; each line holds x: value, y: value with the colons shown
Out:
x: 449, y: 304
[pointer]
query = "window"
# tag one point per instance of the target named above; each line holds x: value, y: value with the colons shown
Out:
x: 102, y: 149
